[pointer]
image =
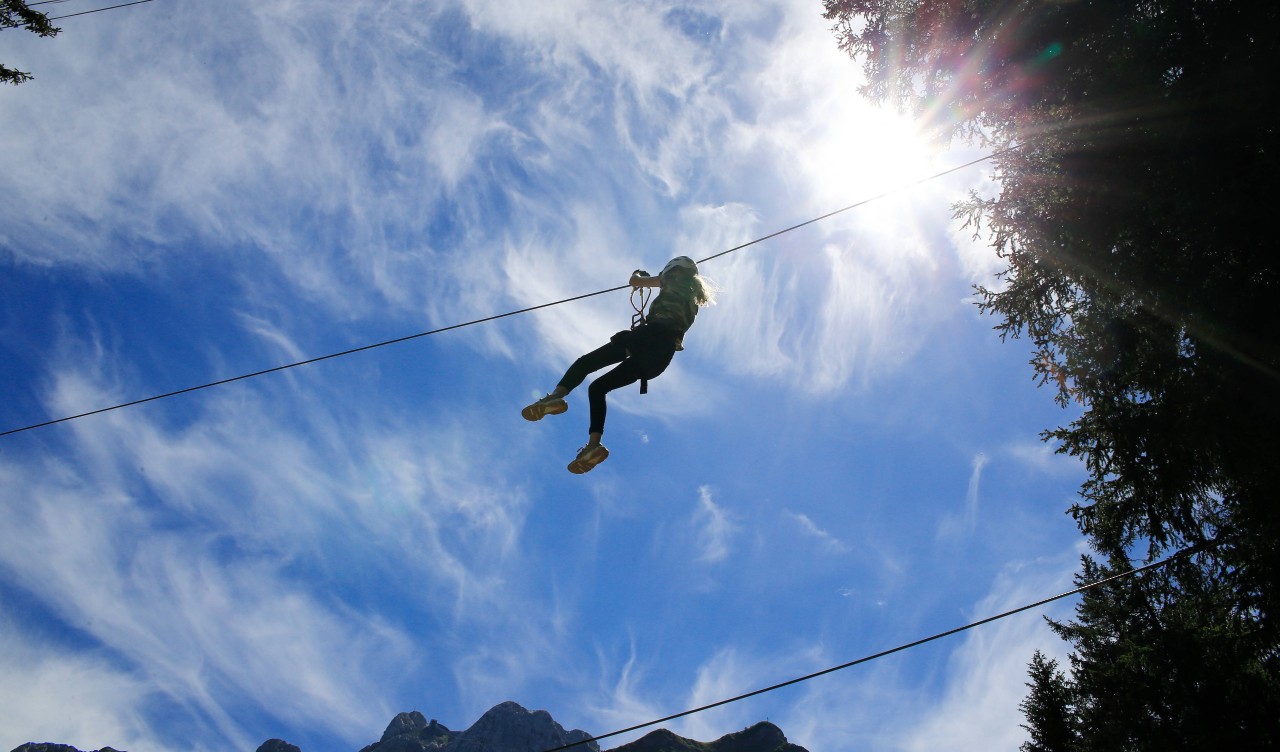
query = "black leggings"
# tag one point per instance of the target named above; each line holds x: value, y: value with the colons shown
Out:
x: 643, y: 353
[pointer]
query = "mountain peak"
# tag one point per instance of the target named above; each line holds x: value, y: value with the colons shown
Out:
x: 762, y: 737
x: 411, y: 732
x: 511, y: 728
x: 277, y: 745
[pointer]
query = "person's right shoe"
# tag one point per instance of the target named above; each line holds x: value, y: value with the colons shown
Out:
x: 588, y: 457
x: 548, y: 405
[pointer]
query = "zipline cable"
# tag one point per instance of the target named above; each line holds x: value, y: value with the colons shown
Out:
x: 99, y: 10
x: 83, y: 12
x: 306, y: 362
x: 877, y: 197
x: 1155, y: 565
x: 398, y: 340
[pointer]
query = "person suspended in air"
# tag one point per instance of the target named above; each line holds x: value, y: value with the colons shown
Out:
x: 639, y: 354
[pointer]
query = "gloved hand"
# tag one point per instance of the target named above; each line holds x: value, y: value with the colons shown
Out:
x: 637, y: 275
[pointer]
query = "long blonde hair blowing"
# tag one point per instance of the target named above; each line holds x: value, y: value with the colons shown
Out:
x: 704, y: 290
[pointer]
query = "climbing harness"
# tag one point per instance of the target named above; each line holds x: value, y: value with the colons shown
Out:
x: 638, y: 318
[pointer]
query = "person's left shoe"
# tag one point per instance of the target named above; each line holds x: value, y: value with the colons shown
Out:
x: 548, y: 405
x: 588, y: 457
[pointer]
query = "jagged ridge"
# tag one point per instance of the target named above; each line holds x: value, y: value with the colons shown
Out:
x: 510, y: 728
x: 762, y: 737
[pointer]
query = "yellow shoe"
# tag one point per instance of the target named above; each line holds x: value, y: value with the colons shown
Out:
x: 588, y: 457
x: 548, y: 405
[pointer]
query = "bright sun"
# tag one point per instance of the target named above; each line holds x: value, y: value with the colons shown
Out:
x: 862, y: 151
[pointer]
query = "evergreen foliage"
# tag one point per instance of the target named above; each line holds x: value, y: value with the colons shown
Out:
x: 1134, y: 216
x: 15, y: 13
x: 1047, y: 708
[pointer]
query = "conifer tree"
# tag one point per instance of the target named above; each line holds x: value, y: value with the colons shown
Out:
x: 14, y: 14
x: 1137, y: 154
x: 1048, y: 708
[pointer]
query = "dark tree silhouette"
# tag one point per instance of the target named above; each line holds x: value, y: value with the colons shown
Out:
x: 14, y: 14
x: 1047, y: 708
x: 1134, y: 216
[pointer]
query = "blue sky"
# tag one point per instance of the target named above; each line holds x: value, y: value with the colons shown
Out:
x: 844, y: 458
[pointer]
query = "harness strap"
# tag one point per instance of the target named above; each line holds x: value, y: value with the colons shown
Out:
x: 638, y: 319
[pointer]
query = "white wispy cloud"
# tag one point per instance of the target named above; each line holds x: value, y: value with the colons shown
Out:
x: 273, y: 335
x: 733, y: 671
x: 197, y: 554
x: 715, y: 528
x: 827, y: 541
x: 369, y: 143
x: 620, y: 700
x: 188, y: 618
x: 1042, y: 457
x: 726, y: 672
x: 862, y: 708
x: 881, y: 705
x: 963, y: 522
x: 106, y: 697
x: 988, y: 672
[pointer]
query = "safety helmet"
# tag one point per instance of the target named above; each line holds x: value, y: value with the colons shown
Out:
x: 680, y: 262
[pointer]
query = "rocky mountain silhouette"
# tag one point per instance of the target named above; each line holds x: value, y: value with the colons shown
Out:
x: 507, y: 727
x: 762, y: 737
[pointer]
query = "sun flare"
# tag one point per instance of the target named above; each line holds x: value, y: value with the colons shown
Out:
x: 866, y: 152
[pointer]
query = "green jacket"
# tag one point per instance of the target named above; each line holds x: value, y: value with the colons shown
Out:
x: 673, y: 310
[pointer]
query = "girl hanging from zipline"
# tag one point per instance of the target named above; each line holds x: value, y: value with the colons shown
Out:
x: 641, y: 353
